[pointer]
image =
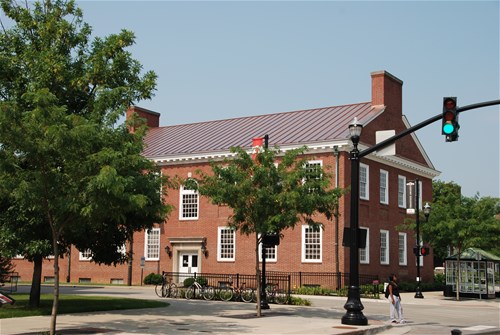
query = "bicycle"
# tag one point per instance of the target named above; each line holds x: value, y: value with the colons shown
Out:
x: 196, y: 290
x: 275, y: 294
x: 166, y: 289
x: 246, y: 294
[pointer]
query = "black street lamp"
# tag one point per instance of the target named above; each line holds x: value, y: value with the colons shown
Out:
x: 353, y: 306
x: 418, y: 253
x: 427, y: 211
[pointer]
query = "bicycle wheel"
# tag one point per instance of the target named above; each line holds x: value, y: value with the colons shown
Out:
x: 247, y: 294
x: 226, y: 294
x: 173, y: 291
x: 270, y: 293
x: 281, y: 297
x: 190, y: 292
x: 160, y: 290
x: 208, y: 293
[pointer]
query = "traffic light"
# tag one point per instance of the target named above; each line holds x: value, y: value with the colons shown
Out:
x: 450, y: 119
x: 424, y: 251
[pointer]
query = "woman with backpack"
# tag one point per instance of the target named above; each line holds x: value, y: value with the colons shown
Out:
x: 392, y: 294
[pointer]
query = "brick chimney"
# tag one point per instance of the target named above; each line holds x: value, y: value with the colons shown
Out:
x: 387, y: 90
x: 152, y: 118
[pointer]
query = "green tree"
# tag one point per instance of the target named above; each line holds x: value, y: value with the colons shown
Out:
x: 68, y: 173
x: 457, y: 222
x: 6, y: 268
x: 269, y: 193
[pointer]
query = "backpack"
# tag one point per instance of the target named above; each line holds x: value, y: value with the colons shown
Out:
x: 387, y: 291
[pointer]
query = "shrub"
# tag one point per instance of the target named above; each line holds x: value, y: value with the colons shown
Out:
x: 153, y: 279
x: 200, y: 280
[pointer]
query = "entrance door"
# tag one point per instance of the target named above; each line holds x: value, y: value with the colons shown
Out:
x: 188, y: 264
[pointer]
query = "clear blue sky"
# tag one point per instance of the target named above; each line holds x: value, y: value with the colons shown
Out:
x: 218, y: 60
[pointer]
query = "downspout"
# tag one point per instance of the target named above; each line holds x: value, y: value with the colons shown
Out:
x: 337, y: 261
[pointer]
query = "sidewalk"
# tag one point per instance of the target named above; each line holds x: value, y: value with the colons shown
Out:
x: 198, y: 317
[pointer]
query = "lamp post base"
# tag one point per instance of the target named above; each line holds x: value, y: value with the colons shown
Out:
x: 418, y: 293
x: 354, y: 315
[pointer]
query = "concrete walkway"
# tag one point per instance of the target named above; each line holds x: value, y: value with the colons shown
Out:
x: 213, y: 317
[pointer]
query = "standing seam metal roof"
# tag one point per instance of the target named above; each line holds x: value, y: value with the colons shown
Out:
x: 303, y: 127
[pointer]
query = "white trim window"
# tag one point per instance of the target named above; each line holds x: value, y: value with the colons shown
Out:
x: 364, y: 253
x: 364, y: 181
x: 313, y: 172
x: 152, y: 244
x: 271, y: 253
x: 189, y: 204
x: 384, y: 246
x: 312, y: 245
x: 401, y: 191
x: 85, y: 255
x: 384, y: 187
x: 402, y: 249
x: 226, y: 246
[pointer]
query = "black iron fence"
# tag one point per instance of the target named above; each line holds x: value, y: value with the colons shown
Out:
x: 10, y: 284
x: 331, y: 283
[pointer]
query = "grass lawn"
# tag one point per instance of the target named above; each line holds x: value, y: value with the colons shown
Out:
x: 73, y: 304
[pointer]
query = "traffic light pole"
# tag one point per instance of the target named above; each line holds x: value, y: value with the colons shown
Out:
x: 418, y: 289
x: 354, y: 314
x: 421, y: 125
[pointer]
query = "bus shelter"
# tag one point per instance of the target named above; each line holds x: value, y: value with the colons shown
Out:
x: 479, y: 273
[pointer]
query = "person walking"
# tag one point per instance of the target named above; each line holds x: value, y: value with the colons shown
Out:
x: 394, y: 300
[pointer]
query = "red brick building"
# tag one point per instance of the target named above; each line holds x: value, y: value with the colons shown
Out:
x: 196, y: 238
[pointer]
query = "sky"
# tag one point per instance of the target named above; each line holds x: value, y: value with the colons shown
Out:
x: 219, y: 60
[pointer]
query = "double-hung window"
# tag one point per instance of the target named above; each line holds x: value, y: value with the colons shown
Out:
x: 313, y: 173
x: 312, y: 244
x: 271, y: 253
x: 402, y: 249
x: 384, y: 187
x: 152, y: 244
x: 189, y: 204
x: 364, y: 189
x: 85, y: 255
x: 364, y: 253
x: 401, y: 191
x: 384, y: 247
x: 226, y: 246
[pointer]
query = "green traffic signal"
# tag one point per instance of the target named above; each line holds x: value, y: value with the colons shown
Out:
x: 450, y: 119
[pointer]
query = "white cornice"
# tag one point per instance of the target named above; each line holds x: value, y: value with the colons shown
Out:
x: 325, y: 147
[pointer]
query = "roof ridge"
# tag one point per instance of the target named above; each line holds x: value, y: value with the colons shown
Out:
x: 262, y: 115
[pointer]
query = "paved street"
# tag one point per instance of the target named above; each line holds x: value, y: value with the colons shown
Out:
x: 432, y: 315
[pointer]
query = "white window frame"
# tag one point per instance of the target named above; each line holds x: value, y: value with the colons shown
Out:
x: 401, y: 191
x: 364, y: 186
x: 384, y: 249
x: 269, y: 251
x: 364, y: 253
x: 152, y: 244
x: 384, y: 187
x: 84, y: 255
x: 312, y: 163
x: 305, y: 230
x: 221, y: 243
x: 182, y: 204
x: 403, y: 249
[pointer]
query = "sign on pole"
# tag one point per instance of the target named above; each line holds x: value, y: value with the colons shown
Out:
x: 410, y: 197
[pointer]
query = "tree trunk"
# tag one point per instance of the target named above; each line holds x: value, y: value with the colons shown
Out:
x: 36, y: 282
x: 257, y: 273
x: 130, y: 259
x: 55, y: 302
